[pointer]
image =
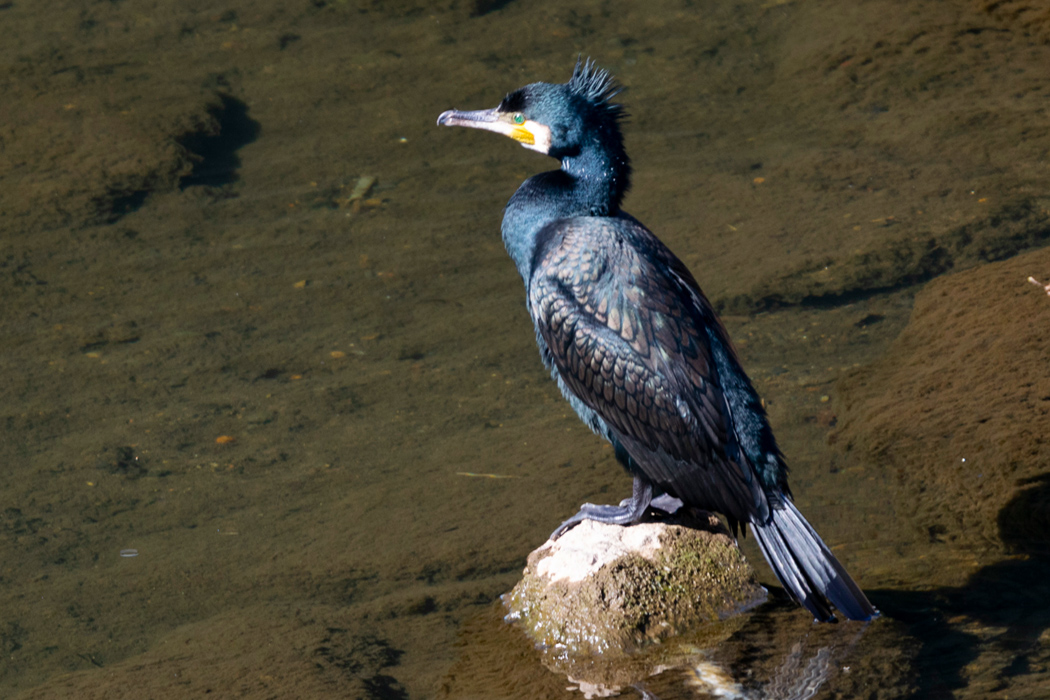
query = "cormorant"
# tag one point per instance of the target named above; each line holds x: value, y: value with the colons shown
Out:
x: 636, y: 347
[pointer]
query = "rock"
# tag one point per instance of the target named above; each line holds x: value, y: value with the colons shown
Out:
x: 608, y: 589
x: 958, y: 409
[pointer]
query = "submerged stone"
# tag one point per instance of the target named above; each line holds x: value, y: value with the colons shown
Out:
x: 609, y: 589
x: 956, y: 413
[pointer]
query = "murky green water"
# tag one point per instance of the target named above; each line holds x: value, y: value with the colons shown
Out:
x: 249, y: 392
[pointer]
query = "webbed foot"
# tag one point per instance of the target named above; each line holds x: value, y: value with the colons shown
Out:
x: 629, y: 511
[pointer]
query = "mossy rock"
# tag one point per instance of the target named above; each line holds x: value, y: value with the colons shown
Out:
x: 608, y: 589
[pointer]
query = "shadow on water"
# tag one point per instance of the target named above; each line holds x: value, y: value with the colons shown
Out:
x: 1001, y: 611
x: 215, y: 151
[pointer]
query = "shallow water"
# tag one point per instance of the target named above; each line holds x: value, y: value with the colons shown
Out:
x: 288, y: 387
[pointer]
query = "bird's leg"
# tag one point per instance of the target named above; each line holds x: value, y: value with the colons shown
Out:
x: 629, y: 511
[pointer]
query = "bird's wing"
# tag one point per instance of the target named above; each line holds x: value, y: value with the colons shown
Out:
x: 626, y: 332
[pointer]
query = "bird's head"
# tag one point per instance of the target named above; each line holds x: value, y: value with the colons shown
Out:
x: 556, y: 120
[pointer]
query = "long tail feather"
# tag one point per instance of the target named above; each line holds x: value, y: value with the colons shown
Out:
x: 807, y: 568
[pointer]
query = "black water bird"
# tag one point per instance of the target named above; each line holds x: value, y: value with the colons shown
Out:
x: 636, y: 347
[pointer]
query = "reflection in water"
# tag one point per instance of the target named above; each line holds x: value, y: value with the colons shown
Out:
x: 773, y: 653
x: 795, y: 681
x: 713, y: 680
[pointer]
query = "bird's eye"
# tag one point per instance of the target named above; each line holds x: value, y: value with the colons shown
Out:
x: 519, y: 118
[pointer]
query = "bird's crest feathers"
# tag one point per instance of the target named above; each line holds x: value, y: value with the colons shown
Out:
x: 595, y: 85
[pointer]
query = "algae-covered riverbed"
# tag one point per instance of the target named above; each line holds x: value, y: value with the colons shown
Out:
x: 259, y: 327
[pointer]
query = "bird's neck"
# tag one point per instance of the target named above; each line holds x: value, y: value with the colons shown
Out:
x: 600, y: 175
x: 591, y: 182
